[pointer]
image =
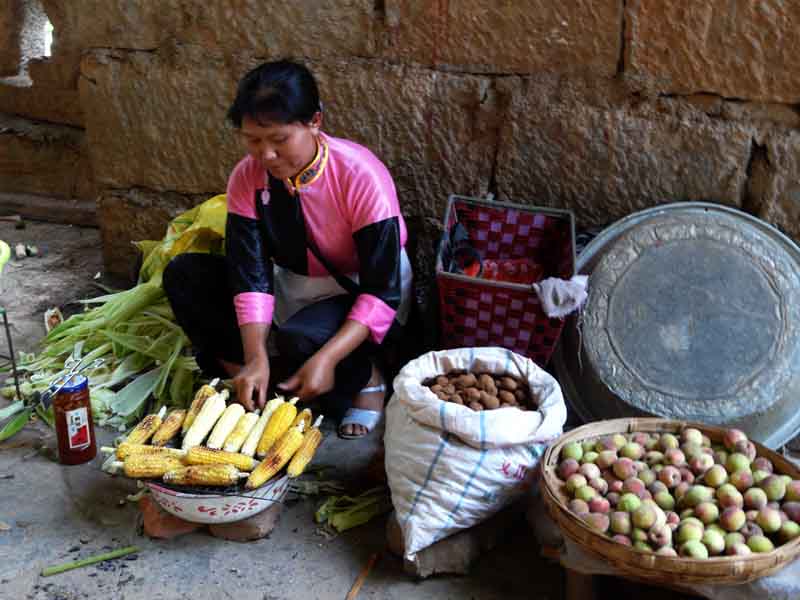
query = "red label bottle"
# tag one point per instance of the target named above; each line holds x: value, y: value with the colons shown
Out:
x: 74, y: 426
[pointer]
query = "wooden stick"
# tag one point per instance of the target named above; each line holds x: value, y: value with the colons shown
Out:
x: 362, y: 577
x: 89, y: 561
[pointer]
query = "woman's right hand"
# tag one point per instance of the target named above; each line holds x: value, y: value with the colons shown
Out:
x: 251, y: 383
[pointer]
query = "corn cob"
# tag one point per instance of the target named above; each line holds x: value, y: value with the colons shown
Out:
x: 279, y: 423
x: 168, y: 429
x: 311, y: 440
x: 146, y: 428
x: 213, y: 408
x: 126, y: 449
x: 225, y: 425
x: 200, y: 397
x: 147, y: 466
x: 305, y: 416
x: 235, y: 440
x: 281, y: 453
x: 251, y: 443
x: 204, y: 475
x: 200, y: 455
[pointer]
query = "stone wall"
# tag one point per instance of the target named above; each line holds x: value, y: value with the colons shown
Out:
x: 601, y: 106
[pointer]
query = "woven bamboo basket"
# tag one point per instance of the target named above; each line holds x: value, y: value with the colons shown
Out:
x: 649, y: 567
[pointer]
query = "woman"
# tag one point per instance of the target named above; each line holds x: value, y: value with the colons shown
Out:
x: 314, y: 245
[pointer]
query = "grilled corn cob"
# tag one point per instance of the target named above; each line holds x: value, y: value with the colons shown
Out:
x: 204, y: 475
x: 213, y: 407
x: 141, y: 466
x: 146, y: 428
x: 280, y: 421
x: 200, y: 455
x: 251, y: 443
x: 170, y: 426
x: 281, y: 453
x: 304, y: 454
x: 200, y: 397
x: 225, y: 425
x: 305, y: 416
x: 235, y: 441
x: 126, y: 449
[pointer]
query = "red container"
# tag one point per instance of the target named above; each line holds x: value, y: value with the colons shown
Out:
x: 480, y: 312
x: 74, y: 426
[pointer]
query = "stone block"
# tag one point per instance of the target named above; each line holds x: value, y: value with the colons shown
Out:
x: 508, y: 37
x: 590, y: 147
x: 311, y: 28
x: 775, y: 181
x: 42, y: 103
x: 454, y: 554
x: 254, y: 528
x: 37, y: 158
x: 127, y: 216
x: 10, y: 29
x: 736, y: 49
x: 160, y: 524
x: 155, y: 121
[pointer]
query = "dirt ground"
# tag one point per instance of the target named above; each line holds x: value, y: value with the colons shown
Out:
x: 52, y: 514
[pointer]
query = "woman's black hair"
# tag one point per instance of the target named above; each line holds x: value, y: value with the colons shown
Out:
x: 276, y: 92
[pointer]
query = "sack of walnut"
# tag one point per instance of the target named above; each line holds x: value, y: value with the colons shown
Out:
x: 449, y: 466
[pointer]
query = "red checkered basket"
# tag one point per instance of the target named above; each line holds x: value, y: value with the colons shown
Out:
x: 480, y: 312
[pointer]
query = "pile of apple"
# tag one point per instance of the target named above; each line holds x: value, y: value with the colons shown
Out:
x: 681, y: 495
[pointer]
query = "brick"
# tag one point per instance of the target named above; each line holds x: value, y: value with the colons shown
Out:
x: 38, y: 158
x: 738, y: 49
x: 590, y: 147
x: 277, y: 28
x: 254, y: 528
x: 128, y: 216
x: 160, y: 524
x: 436, y: 132
x: 521, y: 37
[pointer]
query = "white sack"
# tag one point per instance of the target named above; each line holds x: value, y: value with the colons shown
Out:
x: 449, y: 467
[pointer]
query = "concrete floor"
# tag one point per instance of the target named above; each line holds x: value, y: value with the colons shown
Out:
x: 51, y: 514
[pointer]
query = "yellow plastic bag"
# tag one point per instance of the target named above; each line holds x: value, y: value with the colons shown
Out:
x: 200, y: 229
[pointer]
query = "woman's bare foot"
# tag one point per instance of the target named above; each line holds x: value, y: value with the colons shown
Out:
x: 368, y: 401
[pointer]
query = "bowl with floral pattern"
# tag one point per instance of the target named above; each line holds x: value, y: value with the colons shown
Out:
x: 206, y: 506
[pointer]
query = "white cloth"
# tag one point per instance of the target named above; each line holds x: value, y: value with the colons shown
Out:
x: 294, y: 292
x: 560, y: 297
x: 449, y: 467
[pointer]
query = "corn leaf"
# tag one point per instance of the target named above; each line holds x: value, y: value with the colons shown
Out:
x: 132, y: 397
x: 16, y: 424
x: 46, y: 415
x: 130, y: 366
x: 11, y: 409
x: 182, y: 386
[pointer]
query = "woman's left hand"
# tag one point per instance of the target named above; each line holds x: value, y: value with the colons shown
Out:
x: 314, y: 378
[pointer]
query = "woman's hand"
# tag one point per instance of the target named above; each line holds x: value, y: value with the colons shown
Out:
x: 314, y: 378
x: 252, y: 382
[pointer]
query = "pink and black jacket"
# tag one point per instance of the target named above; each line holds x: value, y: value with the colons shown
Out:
x: 345, y: 200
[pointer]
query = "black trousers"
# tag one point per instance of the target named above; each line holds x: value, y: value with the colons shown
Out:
x: 198, y: 291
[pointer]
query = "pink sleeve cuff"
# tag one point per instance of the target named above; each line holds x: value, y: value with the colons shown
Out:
x: 374, y: 313
x: 254, y: 307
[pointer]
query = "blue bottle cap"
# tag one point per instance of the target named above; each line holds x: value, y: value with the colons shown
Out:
x: 75, y: 384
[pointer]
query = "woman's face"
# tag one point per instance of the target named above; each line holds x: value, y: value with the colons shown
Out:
x: 281, y: 149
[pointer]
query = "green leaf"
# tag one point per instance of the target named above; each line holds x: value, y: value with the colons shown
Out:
x: 16, y: 424
x: 130, y: 366
x: 46, y: 415
x: 11, y: 409
x: 131, y: 398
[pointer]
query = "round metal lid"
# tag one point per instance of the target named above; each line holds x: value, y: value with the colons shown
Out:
x: 692, y: 314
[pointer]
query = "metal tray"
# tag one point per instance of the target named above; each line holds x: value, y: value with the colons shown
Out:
x: 693, y: 314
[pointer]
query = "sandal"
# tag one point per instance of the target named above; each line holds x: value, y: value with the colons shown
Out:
x: 368, y: 419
